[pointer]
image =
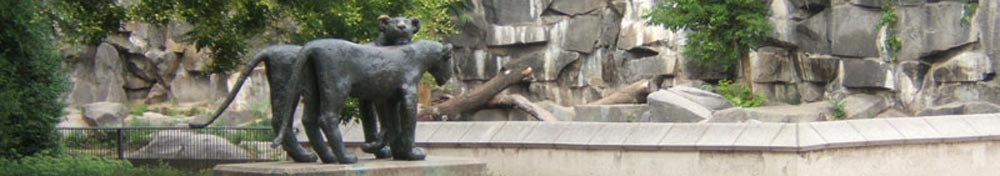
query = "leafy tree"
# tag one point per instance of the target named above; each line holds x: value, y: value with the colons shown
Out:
x: 31, y: 80
x: 225, y: 26
x: 721, y: 30
x: 86, y: 21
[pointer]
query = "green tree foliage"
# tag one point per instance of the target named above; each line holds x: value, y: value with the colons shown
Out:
x: 31, y: 80
x: 721, y: 30
x: 86, y: 21
x: 225, y: 26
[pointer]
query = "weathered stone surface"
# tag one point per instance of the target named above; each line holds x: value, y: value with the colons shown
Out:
x: 187, y: 145
x: 158, y: 94
x: 785, y: 113
x: 710, y: 100
x: 105, y: 114
x: 695, y: 71
x: 584, y: 31
x: 195, y: 60
x: 811, y: 92
x: 955, y: 92
x: 932, y: 28
x: 878, y: 3
x: 577, y: 7
x: 100, y: 79
x: 166, y: 64
x: 909, y: 79
x: 961, y: 108
x: 664, y: 63
x: 892, y: 113
x: 475, y: 64
x: 512, y: 35
x: 987, y: 21
x: 853, y: 32
x: 964, y: 67
x: 639, y: 33
x: 772, y: 64
x: 666, y: 106
x: 611, y: 21
x: 782, y: 24
x: 609, y: 113
x: 561, y: 112
x: 472, y: 34
x: 817, y: 68
x: 189, y: 87
x: 863, y: 106
x: 813, y: 34
x: 506, y: 12
x: 866, y: 73
x: 787, y: 93
x: 545, y: 64
x: 255, y: 92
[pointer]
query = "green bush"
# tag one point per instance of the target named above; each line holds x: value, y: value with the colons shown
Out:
x: 31, y: 80
x: 721, y: 30
x: 838, y: 109
x: 739, y: 95
x: 61, y: 165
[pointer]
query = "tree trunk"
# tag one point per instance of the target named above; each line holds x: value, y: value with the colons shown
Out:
x: 476, y: 99
x: 634, y: 93
x: 520, y: 103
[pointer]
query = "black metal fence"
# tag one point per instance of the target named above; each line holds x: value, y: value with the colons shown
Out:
x: 217, y: 144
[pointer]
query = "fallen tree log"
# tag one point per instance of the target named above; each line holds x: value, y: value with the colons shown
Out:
x: 632, y: 94
x: 520, y: 103
x: 475, y: 99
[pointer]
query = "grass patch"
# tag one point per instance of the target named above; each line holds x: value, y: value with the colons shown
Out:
x: 739, y: 95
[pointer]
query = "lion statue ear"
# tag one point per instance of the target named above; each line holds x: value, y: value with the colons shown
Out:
x: 416, y: 24
x: 383, y: 21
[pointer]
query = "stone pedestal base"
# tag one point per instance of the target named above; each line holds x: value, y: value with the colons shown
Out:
x: 434, y: 165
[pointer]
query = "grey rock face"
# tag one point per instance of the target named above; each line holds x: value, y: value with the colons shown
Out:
x: 100, y: 79
x: 785, y: 113
x: 610, y: 113
x: 666, y: 106
x: 853, y: 31
x: 187, y: 145
x: 648, y: 67
x: 863, y: 106
x: 817, y: 68
x: 511, y: 35
x: 813, y: 34
x: 584, y: 31
x: 772, y: 64
x: 188, y: 87
x: 932, y: 28
x: 505, y: 12
x: 577, y: 7
x: 964, y: 67
x: 105, y: 114
x: 474, y: 64
x: 710, y: 100
x: 866, y: 73
x: 961, y: 108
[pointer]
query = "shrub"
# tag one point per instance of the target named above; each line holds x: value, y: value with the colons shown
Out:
x: 721, y: 30
x: 739, y: 95
x: 31, y: 80
x: 60, y: 165
x: 838, y: 110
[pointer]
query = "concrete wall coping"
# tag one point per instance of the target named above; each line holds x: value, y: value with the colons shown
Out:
x: 781, y: 137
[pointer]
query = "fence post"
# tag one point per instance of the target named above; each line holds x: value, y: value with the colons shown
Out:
x: 121, y: 144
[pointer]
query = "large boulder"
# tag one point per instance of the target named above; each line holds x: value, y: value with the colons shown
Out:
x: 863, y: 106
x: 666, y: 106
x: 708, y: 99
x: 190, y: 87
x: 853, y: 31
x: 772, y: 64
x: 932, y: 28
x: 505, y: 12
x: 785, y: 113
x: 961, y: 108
x: 100, y: 79
x: 105, y: 114
x: 812, y: 34
x: 910, y: 77
x: 577, y: 7
x: 188, y: 145
x: 152, y: 119
x: 546, y: 64
x: 866, y: 73
x: 817, y: 68
x: 585, y: 31
x: 513, y: 35
x: 955, y: 92
x: 964, y: 67
x: 610, y: 113
x: 664, y: 63
x: 475, y: 64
